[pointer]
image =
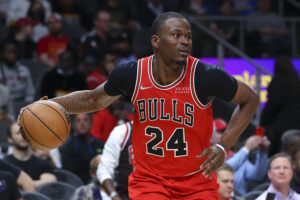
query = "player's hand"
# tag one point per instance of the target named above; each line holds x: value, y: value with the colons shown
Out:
x: 44, y: 98
x: 215, y: 158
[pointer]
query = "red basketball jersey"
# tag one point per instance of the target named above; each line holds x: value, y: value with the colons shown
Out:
x: 171, y: 126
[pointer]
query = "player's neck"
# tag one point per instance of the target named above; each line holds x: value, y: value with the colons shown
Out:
x: 165, y: 72
x: 21, y: 155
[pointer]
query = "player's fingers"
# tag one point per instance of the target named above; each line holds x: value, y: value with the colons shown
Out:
x: 44, y: 98
x: 204, y: 152
x: 214, y: 165
x: 207, y: 162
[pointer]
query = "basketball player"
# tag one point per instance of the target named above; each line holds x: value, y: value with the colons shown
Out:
x: 172, y: 93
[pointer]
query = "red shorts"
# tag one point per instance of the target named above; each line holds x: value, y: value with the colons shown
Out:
x: 144, y: 185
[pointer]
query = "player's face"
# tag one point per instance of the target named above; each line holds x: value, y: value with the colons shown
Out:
x: 174, y: 40
x: 225, y: 181
x: 280, y: 172
x: 17, y: 139
x: 82, y: 124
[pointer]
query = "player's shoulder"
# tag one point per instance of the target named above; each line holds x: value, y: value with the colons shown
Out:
x: 207, y: 67
x: 125, y: 68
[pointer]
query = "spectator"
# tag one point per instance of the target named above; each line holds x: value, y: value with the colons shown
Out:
x: 39, y: 170
x: 117, y: 161
x: 247, y: 172
x: 123, y: 48
x: 36, y: 12
x: 63, y: 78
x: 94, y: 190
x: 106, y: 64
x: 96, y: 42
x: 22, y: 178
x: 280, y: 173
x: 9, y: 189
x: 225, y: 181
x: 15, y: 76
x: 105, y: 120
x: 6, y: 110
x: 19, y: 8
x: 77, y: 153
x: 295, y: 183
x: 26, y: 47
x: 50, y: 46
x: 272, y: 31
x: 53, y: 156
x: 121, y: 16
x: 290, y: 141
x: 281, y: 112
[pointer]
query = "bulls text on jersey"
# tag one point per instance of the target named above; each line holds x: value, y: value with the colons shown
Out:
x: 148, y: 110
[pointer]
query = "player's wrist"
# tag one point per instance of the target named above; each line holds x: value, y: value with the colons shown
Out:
x: 220, y: 146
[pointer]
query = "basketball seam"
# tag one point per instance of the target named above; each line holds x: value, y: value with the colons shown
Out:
x: 33, y: 137
x: 57, y: 113
x: 45, y: 125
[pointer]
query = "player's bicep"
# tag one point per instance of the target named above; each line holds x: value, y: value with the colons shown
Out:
x: 243, y: 94
x: 101, y: 97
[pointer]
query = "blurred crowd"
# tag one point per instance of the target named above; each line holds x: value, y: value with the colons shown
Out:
x: 54, y: 47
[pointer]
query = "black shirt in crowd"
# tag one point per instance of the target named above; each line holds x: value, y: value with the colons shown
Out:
x: 34, y: 167
x: 77, y: 153
x: 7, y: 166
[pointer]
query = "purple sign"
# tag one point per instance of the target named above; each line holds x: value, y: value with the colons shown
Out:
x: 243, y: 70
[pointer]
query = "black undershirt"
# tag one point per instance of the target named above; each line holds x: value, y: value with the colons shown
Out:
x: 210, y: 82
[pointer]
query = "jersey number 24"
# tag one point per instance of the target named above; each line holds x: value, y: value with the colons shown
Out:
x: 176, y: 142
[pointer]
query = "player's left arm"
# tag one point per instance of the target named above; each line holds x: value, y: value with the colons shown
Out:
x: 248, y: 102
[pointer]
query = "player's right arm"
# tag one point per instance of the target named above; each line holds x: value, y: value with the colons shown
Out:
x: 86, y: 100
x: 121, y: 81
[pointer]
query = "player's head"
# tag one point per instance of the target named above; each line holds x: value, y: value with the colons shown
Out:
x: 15, y: 138
x: 171, y: 37
x: 225, y: 181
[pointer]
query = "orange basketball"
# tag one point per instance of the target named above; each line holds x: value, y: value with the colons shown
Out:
x: 45, y: 125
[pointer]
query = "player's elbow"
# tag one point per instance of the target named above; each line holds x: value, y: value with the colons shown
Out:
x: 254, y: 99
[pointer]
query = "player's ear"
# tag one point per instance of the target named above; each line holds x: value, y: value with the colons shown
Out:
x: 154, y: 41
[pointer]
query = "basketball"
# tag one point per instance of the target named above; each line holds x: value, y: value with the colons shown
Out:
x: 45, y: 125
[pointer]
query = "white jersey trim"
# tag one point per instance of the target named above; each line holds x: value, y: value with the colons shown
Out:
x: 169, y: 86
x: 193, y: 88
x: 137, y: 81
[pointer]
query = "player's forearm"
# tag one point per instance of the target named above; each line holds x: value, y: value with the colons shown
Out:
x: 78, y: 102
x: 239, y: 121
x: 85, y: 101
